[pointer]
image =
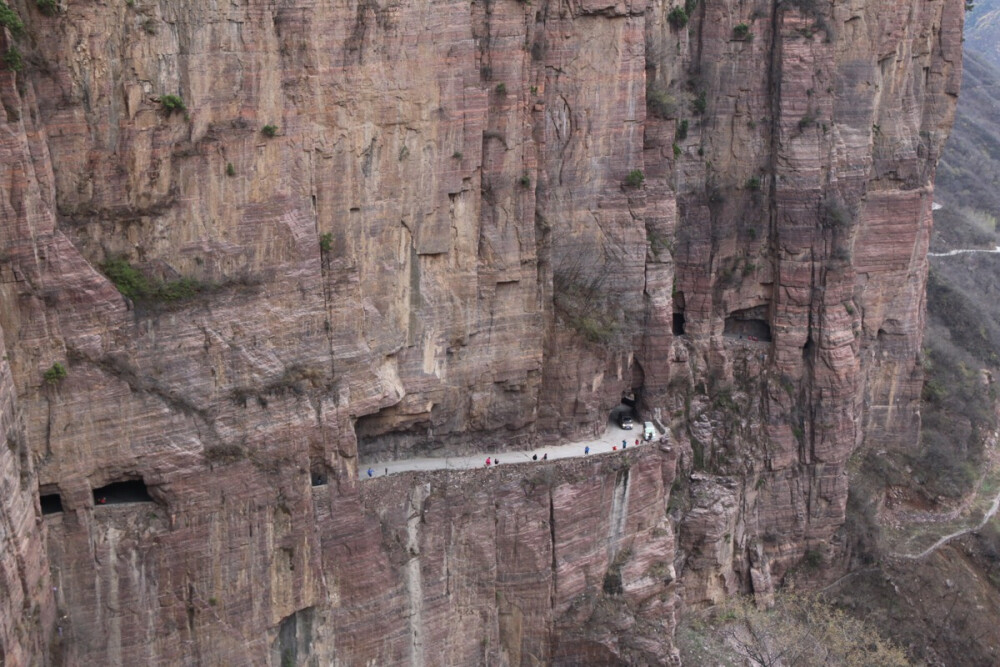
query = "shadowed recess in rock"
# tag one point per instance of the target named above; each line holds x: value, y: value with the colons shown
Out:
x: 51, y: 503
x: 117, y: 493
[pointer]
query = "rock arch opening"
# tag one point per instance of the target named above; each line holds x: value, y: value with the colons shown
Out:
x: 120, y: 493
x: 749, y: 324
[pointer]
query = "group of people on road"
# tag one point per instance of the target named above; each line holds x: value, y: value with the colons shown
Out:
x: 493, y: 461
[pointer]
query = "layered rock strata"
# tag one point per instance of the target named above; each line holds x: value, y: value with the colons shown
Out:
x: 465, y: 227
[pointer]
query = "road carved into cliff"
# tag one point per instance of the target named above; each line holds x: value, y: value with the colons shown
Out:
x: 963, y: 251
x: 610, y: 441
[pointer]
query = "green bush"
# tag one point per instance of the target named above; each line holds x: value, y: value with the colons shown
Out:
x: 230, y: 169
x: 753, y: 184
x: 524, y: 181
x: 12, y: 59
x: 48, y: 7
x: 172, y: 103
x: 326, y: 242
x: 10, y: 20
x: 661, y: 103
x: 501, y: 89
x: 55, y: 373
x: 678, y: 17
x: 136, y: 286
x: 700, y: 103
x: 742, y: 31
x: 682, y: 130
x: 635, y: 178
x: 269, y: 131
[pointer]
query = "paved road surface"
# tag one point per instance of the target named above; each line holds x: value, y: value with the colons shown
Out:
x: 612, y: 437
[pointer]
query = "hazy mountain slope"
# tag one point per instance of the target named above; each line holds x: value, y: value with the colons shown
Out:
x: 968, y: 181
x: 982, y: 30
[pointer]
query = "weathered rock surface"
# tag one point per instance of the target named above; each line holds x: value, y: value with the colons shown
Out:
x: 441, y: 250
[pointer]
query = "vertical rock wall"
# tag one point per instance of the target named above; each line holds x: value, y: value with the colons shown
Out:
x: 475, y: 226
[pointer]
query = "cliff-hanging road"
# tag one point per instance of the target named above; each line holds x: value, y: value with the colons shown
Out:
x: 611, y: 439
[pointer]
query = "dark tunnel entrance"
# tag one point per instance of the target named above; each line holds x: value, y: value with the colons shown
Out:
x: 119, y: 493
x: 51, y: 503
x: 678, y: 327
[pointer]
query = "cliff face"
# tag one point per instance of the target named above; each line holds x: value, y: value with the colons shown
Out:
x: 442, y: 248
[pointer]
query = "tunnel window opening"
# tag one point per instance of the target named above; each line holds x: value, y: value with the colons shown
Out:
x: 678, y: 326
x: 119, y: 493
x: 319, y: 478
x: 750, y: 324
x: 51, y: 503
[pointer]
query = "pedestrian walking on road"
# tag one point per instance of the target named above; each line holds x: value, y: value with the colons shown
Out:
x: 623, y: 444
x: 637, y: 442
x: 586, y: 450
x: 487, y: 462
x: 386, y: 471
x: 496, y: 461
x: 614, y: 448
x: 534, y: 457
x: 370, y: 472
x: 545, y: 456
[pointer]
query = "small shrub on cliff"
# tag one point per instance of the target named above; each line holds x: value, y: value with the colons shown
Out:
x: 635, y: 178
x: 682, y: 130
x: 678, y: 17
x: 230, y: 169
x: 129, y: 281
x: 326, y: 242
x: 172, y: 103
x: 10, y: 20
x: 136, y: 286
x: 661, y: 103
x: 55, y: 373
x: 524, y: 181
x: 48, y: 7
x: 700, y: 104
x: 501, y: 89
x: 742, y: 31
x: 269, y: 131
x: 12, y: 59
x: 753, y: 184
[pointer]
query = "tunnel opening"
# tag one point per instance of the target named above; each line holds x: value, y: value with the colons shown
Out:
x: 319, y: 478
x: 624, y: 415
x: 748, y: 324
x: 51, y: 503
x: 120, y: 493
x: 678, y: 324
x: 679, y: 307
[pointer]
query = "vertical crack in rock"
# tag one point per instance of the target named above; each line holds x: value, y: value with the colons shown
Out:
x: 619, y: 513
x: 414, y: 583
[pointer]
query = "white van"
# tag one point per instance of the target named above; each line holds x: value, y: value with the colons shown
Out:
x: 648, y: 431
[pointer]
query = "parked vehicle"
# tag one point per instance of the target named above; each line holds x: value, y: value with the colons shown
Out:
x: 625, y: 421
x: 648, y: 431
